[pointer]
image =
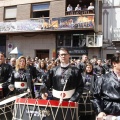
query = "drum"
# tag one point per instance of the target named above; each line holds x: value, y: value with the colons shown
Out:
x: 85, y: 105
x: 36, y: 109
x: 7, y: 105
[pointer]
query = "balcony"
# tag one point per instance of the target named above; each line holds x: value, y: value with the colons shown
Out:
x: 81, y: 12
x: 77, y: 22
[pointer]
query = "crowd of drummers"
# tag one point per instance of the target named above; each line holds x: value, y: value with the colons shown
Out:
x: 27, y: 74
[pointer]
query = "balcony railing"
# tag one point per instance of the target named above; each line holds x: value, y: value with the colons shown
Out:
x: 80, y: 12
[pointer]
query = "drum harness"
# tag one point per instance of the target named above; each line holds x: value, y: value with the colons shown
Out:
x: 61, y: 98
x: 87, y: 93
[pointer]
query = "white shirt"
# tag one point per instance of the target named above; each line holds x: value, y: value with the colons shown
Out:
x: 69, y: 9
x: 77, y: 8
x: 91, y: 8
x: 64, y: 64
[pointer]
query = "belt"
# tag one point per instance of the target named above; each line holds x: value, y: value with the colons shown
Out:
x: 20, y: 84
x: 64, y: 94
x: 38, y: 84
x: 1, y: 86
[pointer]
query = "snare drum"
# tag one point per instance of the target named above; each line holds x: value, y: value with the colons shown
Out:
x: 36, y: 109
x: 85, y: 105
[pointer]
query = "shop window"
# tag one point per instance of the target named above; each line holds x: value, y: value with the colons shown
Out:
x: 10, y: 12
x: 40, y: 10
x: 60, y: 40
x: 75, y: 41
x: 68, y: 40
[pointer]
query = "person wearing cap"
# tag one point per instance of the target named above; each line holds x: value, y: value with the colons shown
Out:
x: 106, y: 92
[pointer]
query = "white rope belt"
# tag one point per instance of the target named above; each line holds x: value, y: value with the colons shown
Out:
x: 1, y: 85
x: 38, y: 84
x: 65, y: 94
x: 20, y: 84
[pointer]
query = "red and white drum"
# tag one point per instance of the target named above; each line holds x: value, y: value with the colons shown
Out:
x: 36, y: 109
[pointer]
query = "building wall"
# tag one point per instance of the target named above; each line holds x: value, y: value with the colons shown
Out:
x: 27, y: 45
x: 18, y: 2
x: 98, y: 16
x: 111, y: 25
x: 94, y: 52
x: 57, y: 8
x: 23, y: 11
x: 1, y: 13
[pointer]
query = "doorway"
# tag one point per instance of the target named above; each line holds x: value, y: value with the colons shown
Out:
x: 3, y: 43
x: 109, y: 56
x: 42, y: 54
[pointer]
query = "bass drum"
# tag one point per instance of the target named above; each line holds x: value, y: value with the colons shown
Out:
x: 7, y: 105
x: 6, y: 110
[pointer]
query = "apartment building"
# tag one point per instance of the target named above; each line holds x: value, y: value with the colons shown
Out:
x: 41, y: 27
x: 111, y: 27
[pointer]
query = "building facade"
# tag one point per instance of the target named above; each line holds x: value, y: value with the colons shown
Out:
x: 41, y: 27
x: 111, y: 27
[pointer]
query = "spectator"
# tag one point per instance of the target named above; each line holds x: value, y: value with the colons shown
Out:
x: 91, y: 7
x: 13, y: 63
x: 69, y: 8
x: 85, y: 106
x: 82, y: 65
x: 85, y: 7
x: 78, y: 7
x: 99, y: 69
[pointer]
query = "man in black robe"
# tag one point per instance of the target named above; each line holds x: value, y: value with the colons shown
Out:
x: 106, y: 91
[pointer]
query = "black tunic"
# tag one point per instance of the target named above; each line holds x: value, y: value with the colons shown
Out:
x: 107, y: 94
x: 21, y: 75
x: 5, y: 73
x: 56, y: 78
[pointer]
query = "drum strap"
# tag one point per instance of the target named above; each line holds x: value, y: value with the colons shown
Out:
x: 28, y: 77
x: 67, y: 77
x: 92, y: 82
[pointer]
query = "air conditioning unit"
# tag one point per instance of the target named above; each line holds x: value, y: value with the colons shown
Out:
x: 94, y: 40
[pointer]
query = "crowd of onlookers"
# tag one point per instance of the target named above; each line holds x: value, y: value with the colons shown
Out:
x: 99, y: 66
x: 78, y: 7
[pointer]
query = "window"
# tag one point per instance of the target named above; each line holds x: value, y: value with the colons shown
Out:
x: 40, y: 10
x: 60, y: 40
x: 68, y: 40
x: 75, y: 41
x: 10, y: 12
x: 71, y: 40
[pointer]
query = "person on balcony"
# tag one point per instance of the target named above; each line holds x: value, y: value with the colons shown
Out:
x: 69, y: 8
x: 91, y: 7
x: 78, y: 8
x: 85, y: 7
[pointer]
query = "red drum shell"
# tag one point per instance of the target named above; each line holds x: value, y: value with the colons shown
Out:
x: 41, y: 102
